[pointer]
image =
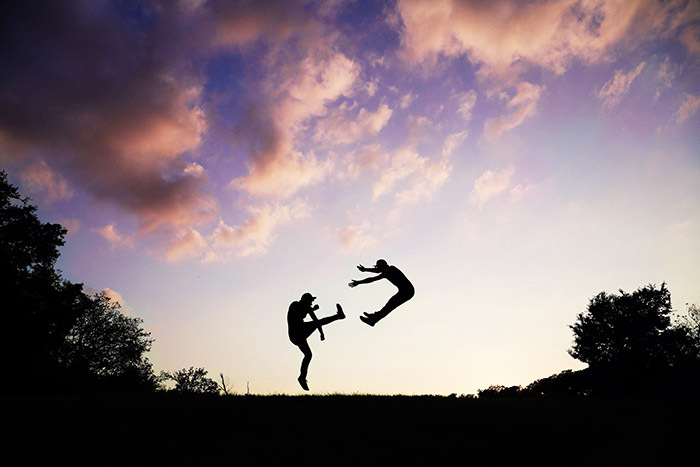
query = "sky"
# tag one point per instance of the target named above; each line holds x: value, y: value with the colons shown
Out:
x: 212, y: 161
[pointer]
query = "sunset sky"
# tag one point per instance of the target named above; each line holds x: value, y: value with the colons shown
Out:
x: 212, y: 161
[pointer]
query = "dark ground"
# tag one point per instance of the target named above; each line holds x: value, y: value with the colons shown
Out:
x: 357, y: 430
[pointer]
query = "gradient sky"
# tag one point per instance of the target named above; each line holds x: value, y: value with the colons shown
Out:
x: 212, y: 161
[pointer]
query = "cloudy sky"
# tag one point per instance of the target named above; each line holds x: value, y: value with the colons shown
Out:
x: 214, y: 160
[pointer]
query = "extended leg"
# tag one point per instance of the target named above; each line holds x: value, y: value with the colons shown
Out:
x: 329, y: 319
x: 392, y: 304
x: 396, y: 300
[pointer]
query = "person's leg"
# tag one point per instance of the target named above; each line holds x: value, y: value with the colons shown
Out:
x: 306, y: 350
x: 329, y: 319
x: 394, y: 302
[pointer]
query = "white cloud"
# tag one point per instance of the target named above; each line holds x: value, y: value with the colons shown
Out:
x: 489, y: 185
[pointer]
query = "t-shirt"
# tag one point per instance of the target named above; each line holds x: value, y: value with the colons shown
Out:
x: 396, y: 277
x: 295, y: 318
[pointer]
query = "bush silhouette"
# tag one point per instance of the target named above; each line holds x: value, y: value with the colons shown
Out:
x: 192, y: 381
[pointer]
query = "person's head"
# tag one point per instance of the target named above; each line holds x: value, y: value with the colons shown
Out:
x: 381, y: 264
x: 307, y: 298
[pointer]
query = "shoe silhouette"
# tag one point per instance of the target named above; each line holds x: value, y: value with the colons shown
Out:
x: 368, y: 320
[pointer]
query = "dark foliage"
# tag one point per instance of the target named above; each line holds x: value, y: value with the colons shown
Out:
x: 632, y: 331
x: 192, y: 381
x: 108, y: 346
x: 632, y: 349
x: 498, y: 391
x: 632, y: 346
x: 56, y: 336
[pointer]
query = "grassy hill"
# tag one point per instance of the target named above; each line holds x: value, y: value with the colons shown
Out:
x: 165, y: 429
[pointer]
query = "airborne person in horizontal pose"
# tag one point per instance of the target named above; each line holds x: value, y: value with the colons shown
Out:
x: 300, y: 330
x: 393, y: 275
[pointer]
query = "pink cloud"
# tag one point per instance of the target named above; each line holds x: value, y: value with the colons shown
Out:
x: 489, y: 185
x: 466, y: 102
x: 71, y: 225
x: 690, y: 37
x: 370, y: 157
x: 337, y: 128
x: 503, y: 37
x: 110, y: 119
x: 423, y: 187
x: 451, y: 143
x: 109, y: 232
x: 406, y: 101
x: 518, y: 192
x: 688, y: 108
x: 354, y: 238
x: 39, y: 178
x: 282, y: 176
x: 612, y: 92
x: 297, y: 92
x: 404, y: 163
x: 428, y: 181
x: 188, y: 244
x: 256, y: 234
x: 241, y: 22
x: 522, y: 105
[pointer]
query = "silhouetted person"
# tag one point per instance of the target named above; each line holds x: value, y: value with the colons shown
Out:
x: 393, y: 275
x: 300, y: 330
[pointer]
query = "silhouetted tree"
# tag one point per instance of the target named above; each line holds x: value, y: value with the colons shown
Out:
x: 567, y: 383
x: 692, y: 321
x: 108, y: 345
x: 39, y: 306
x: 45, y: 316
x: 630, y: 344
x: 192, y: 381
x: 497, y: 391
x: 631, y: 330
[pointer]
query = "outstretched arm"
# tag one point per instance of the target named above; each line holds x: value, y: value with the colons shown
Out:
x: 354, y: 283
x: 364, y: 269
